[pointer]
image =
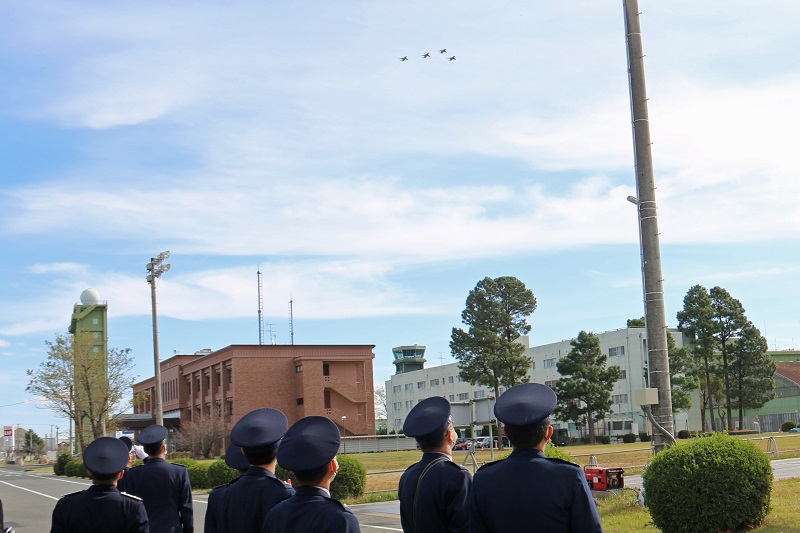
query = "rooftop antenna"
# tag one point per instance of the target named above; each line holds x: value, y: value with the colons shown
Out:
x: 273, y: 338
x: 260, y: 309
x: 441, y: 358
x: 291, y: 323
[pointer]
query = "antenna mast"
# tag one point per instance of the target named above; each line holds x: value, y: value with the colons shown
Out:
x: 291, y: 324
x: 260, y: 309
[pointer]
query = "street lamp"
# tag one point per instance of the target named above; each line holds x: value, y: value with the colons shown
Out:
x: 156, y: 267
x: 57, y: 428
x: 344, y: 433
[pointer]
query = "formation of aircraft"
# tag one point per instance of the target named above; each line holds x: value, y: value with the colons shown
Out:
x: 426, y: 55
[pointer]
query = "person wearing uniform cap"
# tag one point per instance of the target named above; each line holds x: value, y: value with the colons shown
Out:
x: 528, y: 490
x: 309, y: 450
x: 164, y: 487
x: 247, y: 502
x: 434, y: 492
x: 235, y: 459
x: 131, y: 457
x: 102, y: 507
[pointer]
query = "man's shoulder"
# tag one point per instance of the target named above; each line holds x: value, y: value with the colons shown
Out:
x: 72, y: 495
x: 563, y: 462
x: 130, y: 496
x: 491, y: 467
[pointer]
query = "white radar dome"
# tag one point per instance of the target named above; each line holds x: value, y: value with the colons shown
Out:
x: 90, y: 297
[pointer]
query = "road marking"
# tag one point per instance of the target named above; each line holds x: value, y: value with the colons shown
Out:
x: 381, y: 527
x: 29, y: 490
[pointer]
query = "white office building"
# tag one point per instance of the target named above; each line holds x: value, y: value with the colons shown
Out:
x: 626, y: 348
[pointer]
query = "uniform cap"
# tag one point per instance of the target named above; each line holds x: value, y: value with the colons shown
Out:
x: 106, y: 456
x: 127, y: 441
x: 428, y: 417
x: 234, y: 458
x: 261, y: 427
x: 311, y: 443
x: 152, y: 435
x: 525, y: 404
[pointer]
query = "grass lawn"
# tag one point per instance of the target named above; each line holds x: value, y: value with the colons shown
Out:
x: 619, y: 515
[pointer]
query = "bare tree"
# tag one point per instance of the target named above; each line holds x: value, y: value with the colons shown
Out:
x: 82, y: 384
x: 200, y: 435
x: 381, y: 408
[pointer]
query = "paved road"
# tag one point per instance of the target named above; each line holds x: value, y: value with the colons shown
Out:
x: 28, y: 499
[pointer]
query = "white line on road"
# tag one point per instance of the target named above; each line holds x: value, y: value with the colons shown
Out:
x: 381, y: 527
x: 29, y: 490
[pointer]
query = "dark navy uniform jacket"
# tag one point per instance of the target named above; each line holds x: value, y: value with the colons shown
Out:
x: 99, y: 509
x: 441, y: 504
x: 164, y: 487
x: 247, y: 502
x: 528, y: 492
x: 312, y: 510
x: 213, y: 522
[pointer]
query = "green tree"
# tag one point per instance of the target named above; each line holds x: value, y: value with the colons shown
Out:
x: 696, y: 320
x: 752, y: 371
x: 33, y: 445
x: 584, y: 390
x: 682, y: 373
x: 496, y: 312
x: 81, y: 384
x: 636, y: 322
x: 729, y: 319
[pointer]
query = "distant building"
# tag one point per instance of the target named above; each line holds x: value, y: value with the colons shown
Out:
x: 89, y: 324
x: 325, y: 380
x: 626, y: 348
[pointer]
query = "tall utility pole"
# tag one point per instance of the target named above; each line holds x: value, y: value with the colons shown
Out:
x: 155, y: 268
x: 655, y: 321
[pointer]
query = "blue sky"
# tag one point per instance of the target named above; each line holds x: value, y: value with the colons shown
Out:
x: 375, y: 193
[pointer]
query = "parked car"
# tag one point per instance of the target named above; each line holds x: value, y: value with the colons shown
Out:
x: 460, y: 440
x: 795, y: 430
x: 463, y: 445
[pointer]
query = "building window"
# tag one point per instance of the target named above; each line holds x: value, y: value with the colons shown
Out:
x: 550, y: 363
x: 219, y: 378
x: 409, y: 404
x: 452, y: 397
x: 409, y: 386
x: 299, y: 401
x: 435, y: 382
x: 398, y: 405
x: 623, y: 374
x: 619, y: 398
x: 230, y: 375
x: 229, y: 406
x: 420, y: 384
x: 551, y: 383
x: 460, y: 379
x: 326, y: 369
x: 533, y: 365
x: 326, y: 399
x: 298, y: 368
x: 616, y: 351
x: 463, y: 396
x: 480, y: 394
x: 449, y: 379
x: 398, y: 422
x: 396, y: 389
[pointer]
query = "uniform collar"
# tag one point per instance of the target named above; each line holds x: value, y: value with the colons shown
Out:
x: 305, y: 490
x: 258, y: 471
x: 435, y: 455
x: 527, y: 454
x: 103, y: 488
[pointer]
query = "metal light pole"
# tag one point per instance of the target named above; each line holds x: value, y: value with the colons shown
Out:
x: 344, y: 433
x: 155, y: 268
x: 655, y: 321
x: 57, y: 428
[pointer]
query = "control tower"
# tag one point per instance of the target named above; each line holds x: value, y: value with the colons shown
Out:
x: 409, y: 358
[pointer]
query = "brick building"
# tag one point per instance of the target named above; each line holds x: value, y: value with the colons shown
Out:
x: 331, y: 381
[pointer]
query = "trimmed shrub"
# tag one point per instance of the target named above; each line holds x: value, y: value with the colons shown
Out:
x: 185, y: 461
x: 220, y: 473
x: 198, y: 474
x: 719, y: 483
x: 351, y: 479
x: 788, y: 425
x: 61, y: 462
x: 554, y: 452
x: 70, y: 467
x: 683, y: 434
x: 604, y: 439
x: 644, y: 437
x: 629, y: 438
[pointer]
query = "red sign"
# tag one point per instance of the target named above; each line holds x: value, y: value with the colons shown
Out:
x: 8, y: 432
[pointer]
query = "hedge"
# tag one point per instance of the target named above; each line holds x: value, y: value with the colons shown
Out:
x: 220, y: 473
x: 198, y: 474
x: 788, y: 425
x: 717, y: 483
x: 61, y: 462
